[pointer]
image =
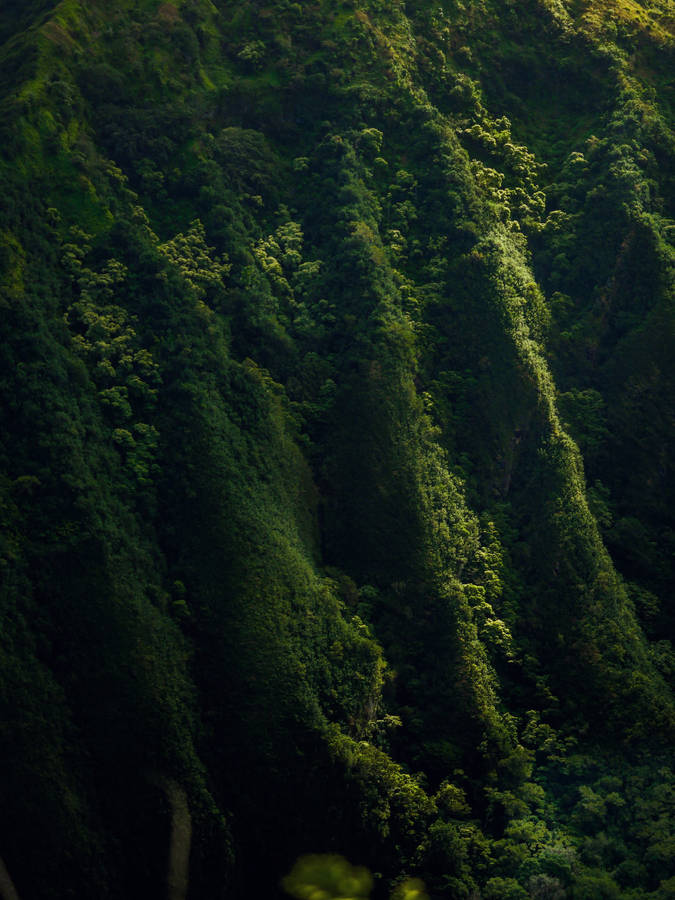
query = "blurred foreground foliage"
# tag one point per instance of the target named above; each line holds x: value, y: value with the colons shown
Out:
x: 326, y: 877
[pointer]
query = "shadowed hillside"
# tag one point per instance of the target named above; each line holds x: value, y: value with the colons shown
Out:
x: 336, y: 415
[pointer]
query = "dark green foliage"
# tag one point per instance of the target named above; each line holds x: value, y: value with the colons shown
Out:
x: 336, y: 415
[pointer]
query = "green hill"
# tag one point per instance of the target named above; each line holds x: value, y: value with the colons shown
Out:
x: 337, y: 400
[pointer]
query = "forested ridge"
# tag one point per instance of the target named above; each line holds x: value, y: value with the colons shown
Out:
x: 337, y: 408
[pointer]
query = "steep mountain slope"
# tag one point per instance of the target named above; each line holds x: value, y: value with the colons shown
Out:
x: 337, y: 400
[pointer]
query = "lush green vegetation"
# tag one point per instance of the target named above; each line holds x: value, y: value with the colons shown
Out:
x: 337, y: 401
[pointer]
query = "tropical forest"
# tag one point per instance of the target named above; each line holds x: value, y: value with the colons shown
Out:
x: 337, y: 449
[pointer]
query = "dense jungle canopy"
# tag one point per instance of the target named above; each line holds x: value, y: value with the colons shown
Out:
x: 337, y: 417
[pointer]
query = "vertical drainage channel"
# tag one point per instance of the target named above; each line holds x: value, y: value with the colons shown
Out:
x: 7, y: 889
x: 178, y: 874
x: 178, y: 863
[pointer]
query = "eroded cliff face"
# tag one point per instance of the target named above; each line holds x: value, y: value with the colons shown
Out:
x: 337, y: 401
